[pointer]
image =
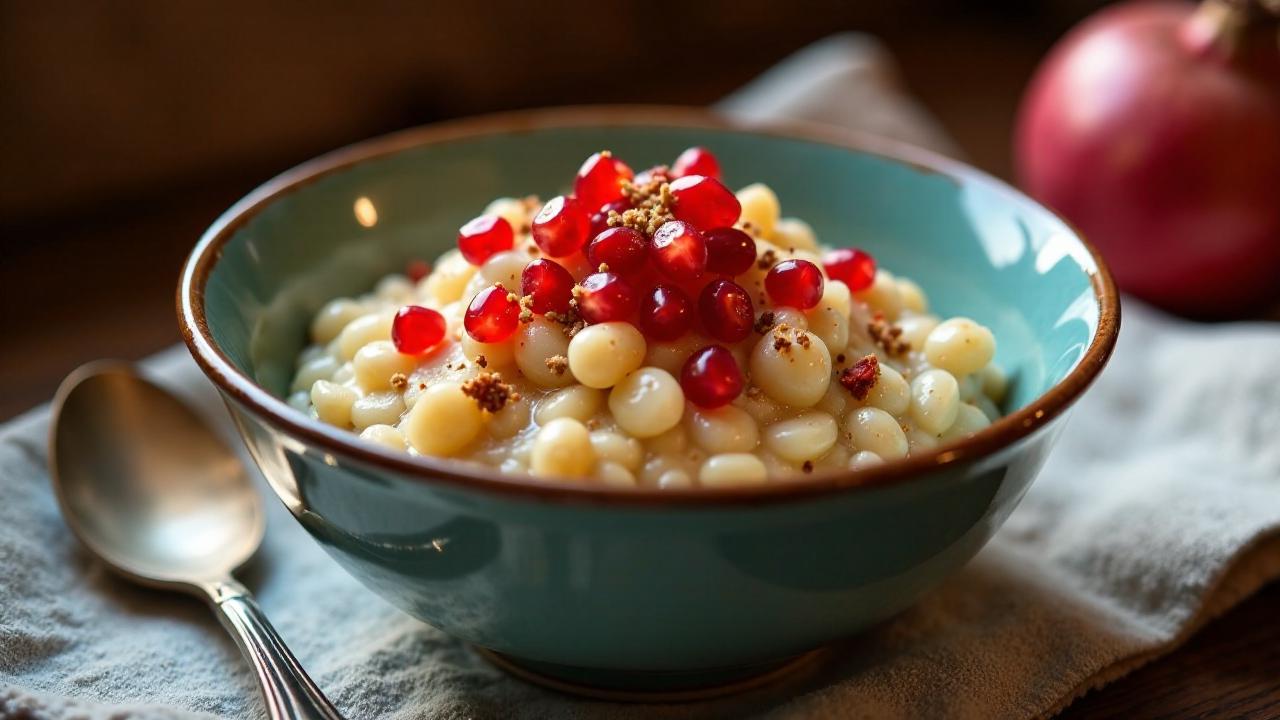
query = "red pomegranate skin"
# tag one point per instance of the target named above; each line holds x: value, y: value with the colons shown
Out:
x: 1165, y: 152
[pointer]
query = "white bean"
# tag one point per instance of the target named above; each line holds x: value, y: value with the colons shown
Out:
x: 333, y: 317
x: 647, y: 402
x: 320, y: 368
x: 794, y: 233
x: 384, y: 435
x: 562, y: 448
x: 727, y: 429
x: 600, y: 355
x: 379, y: 408
x: 576, y: 401
x: 537, y: 343
x: 864, y: 459
x: 807, y: 436
x: 333, y: 402
x: 891, y: 392
x: 875, y: 430
x: 913, y: 298
x: 448, y: 279
x: 732, y: 470
x: 376, y: 363
x: 935, y: 400
x: 612, y: 474
x: 760, y: 209
x: 362, y: 331
x: 791, y: 366
x: 617, y: 448
x: 443, y: 421
x: 883, y: 295
x: 969, y: 420
x: 960, y: 346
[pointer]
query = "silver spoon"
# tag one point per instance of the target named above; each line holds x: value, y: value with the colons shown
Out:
x: 153, y: 492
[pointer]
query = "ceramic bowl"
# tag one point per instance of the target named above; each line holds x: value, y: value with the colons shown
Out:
x: 627, y: 588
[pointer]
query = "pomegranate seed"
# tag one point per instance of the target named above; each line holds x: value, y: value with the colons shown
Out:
x: 415, y: 329
x: 794, y: 283
x: 560, y: 227
x: 600, y: 179
x: 726, y: 311
x: 696, y: 161
x: 704, y: 202
x: 600, y: 219
x: 665, y: 313
x: 484, y: 236
x: 492, y: 315
x: 711, y: 377
x: 548, y: 284
x: 729, y: 251
x: 417, y: 269
x: 680, y: 250
x: 605, y: 297
x: 851, y: 266
x: 621, y: 248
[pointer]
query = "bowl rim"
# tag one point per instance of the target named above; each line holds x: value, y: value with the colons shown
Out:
x: 1001, y: 434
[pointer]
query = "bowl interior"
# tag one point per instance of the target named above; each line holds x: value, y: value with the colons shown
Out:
x: 977, y: 248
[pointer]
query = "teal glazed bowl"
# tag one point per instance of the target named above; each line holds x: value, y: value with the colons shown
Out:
x: 621, y: 588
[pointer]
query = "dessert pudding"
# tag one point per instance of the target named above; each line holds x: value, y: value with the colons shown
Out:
x: 651, y: 329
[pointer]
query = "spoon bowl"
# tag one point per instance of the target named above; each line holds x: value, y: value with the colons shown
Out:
x: 178, y: 511
x: 149, y: 488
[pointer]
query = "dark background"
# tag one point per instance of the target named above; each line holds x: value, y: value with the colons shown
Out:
x: 127, y: 127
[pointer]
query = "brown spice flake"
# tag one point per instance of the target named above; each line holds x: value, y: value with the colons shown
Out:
x: 482, y: 361
x: 557, y: 364
x: 808, y: 466
x: 861, y: 377
x: 490, y: 392
x: 422, y: 386
x: 767, y: 259
x: 840, y: 359
x: 802, y: 339
x: 887, y: 336
x: 754, y: 392
x: 399, y: 381
x: 764, y: 323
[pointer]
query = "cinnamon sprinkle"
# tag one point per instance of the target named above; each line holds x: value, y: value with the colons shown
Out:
x: 887, y: 336
x: 482, y: 361
x: 768, y: 259
x: 808, y: 466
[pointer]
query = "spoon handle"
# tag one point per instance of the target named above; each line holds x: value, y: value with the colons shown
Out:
x: 289, y: 693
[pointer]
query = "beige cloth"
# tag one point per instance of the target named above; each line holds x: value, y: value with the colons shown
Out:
x: 1158, y: 510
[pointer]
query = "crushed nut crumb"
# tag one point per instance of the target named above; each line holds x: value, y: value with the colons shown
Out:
x: 399, y: 381
x: 887, y: 336
x: 482, y: 361
x: 861, y: 377
x: 490, y: 392
x: 781, y: 342
x: 768, y: 259
x: 557, y: 364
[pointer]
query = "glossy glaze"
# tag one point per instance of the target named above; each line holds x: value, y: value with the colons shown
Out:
x: 635, y: 581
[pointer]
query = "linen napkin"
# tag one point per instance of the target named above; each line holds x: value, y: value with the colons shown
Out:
x: 1159, y: 509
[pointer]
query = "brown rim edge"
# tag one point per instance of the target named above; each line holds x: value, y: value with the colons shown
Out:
x: 1000, y: 434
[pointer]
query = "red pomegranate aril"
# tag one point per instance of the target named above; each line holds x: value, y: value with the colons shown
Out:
x: 851, y: 266
x: 726, y: 311
x: 711, y: 377
x: 665, y: 313
x: 600, y: 179
x: 696, y: 161
x: 417, y: 269
x: 600, y: 219
x: 416, y: 329
x: 605, y: 297
x: 794, y: 283
x: 679, y: 250
x: 483, y: 237
x: 560, y: 227
x: 729, y: 251
x: 493, y: 315
x: 548, y: 285
x: 622, y: 249
x: 704, y: 202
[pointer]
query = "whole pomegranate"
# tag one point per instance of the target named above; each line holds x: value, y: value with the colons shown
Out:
x: 1154, y: 127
